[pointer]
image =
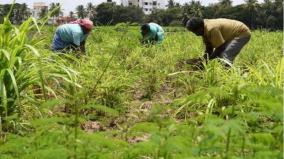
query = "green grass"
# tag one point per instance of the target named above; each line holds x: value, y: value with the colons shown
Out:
x: 147, y: 104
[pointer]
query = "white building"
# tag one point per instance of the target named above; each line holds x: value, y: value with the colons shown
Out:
x: 123, y: 2
x: 37, y: 9
x: 147, y: 5
x: 118, y: 2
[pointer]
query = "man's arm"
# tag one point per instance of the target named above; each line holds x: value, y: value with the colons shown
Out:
x: 217, y: 52
x: 82, y: 46
x: 159, y: 37
x: 75, y: 47
x: 218, y: 42
x: 209, y: 49
x: 143, y: 40
x: 77, y: 44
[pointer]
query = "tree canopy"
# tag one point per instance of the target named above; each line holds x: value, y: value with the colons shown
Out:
x: 268, y: 14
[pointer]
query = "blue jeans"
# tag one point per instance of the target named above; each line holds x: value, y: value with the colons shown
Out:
x: 233, y: 48
x: 58, y: 44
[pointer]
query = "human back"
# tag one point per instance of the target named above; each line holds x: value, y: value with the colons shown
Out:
x: 72, y: 33
x: 223, y: 38
x: 157, y: 27
x: 72, y: 36
x: 229, y: 28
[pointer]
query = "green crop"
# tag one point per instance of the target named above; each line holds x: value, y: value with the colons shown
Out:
x: 123, y: 101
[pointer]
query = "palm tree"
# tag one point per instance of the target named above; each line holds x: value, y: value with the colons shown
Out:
x: 90, y: 10
x: 1, y: 13
x: 171, y: 4
x: 24, y: 11
x: 267, y: 9
x: 19, y: 14
x: 196, y: 8
x: 4, y: 9
x: 81, y: 12
x: 278, y: 13
x: 225, y: 3
x: 71, y: 14
x: 193, y: 9
x: 251, y: 7
x: 222, y: 8
x: 43, y: 12
x: 90, y: 7
x: 55, y: 8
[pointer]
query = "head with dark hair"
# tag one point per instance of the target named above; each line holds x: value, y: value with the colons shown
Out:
x: 145, y: 29
x: 195, y: 25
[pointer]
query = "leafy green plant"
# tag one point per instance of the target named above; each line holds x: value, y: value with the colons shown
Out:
x: 210, y: 113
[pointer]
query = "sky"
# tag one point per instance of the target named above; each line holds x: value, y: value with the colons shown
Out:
x: 70, y: 5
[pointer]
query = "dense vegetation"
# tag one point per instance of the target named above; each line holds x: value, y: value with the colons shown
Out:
x: 124, y: 100
x: 268, y: 14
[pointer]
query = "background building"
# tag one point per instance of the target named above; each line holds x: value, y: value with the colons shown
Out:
x: 38, y: 7
x: 147, y: 5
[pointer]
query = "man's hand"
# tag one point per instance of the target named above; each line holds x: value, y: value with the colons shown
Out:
x: 208, y: 51
x: 82, y: 47
x: 79, y: 49
x: 218, y: 51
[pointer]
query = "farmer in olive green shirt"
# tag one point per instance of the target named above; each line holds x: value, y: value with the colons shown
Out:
x: 152, y: 33
x: 224, y: 38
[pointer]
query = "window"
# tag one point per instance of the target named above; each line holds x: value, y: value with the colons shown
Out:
x: 154, y: 3
x: 138, y: 0
x: 150, y: 3
x: 109, y: 0
x: 145, y: 3
x: 130, y: 3
x: 146, y: 9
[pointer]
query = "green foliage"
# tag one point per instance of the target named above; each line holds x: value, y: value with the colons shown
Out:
x: 20, y: 12
x: 109, y: 13
x: 137, y: 101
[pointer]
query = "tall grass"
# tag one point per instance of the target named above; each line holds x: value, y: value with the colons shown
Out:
x: 145, y: 104
x: 22, y: 67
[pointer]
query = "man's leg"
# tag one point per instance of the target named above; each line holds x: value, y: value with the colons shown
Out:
x: 233, y: 48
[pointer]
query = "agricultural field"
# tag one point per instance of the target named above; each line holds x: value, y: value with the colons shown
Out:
x: 126, y: 101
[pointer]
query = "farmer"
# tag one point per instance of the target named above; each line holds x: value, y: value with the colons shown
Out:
x: 72, y: 36
x: 152, y: 33
x: 224, y: 38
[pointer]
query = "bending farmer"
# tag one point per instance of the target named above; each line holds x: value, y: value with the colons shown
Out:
x: 224, y: 38
x: 72, y: 36
x: 152, y: 33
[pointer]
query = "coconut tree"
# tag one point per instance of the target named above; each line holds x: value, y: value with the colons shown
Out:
x: 25, y: 11
x: 90, y: 10
x: 278, y: 14
x: 171, y: 4
x: 71, y: 14
x: 225, y: 3
x: 90, y: 7
x: 55, y: 8
x: 81, y: 12
x: 43, y: 12
x: 194, y: 8
x: 251, y: 7
x: 222, y: 8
